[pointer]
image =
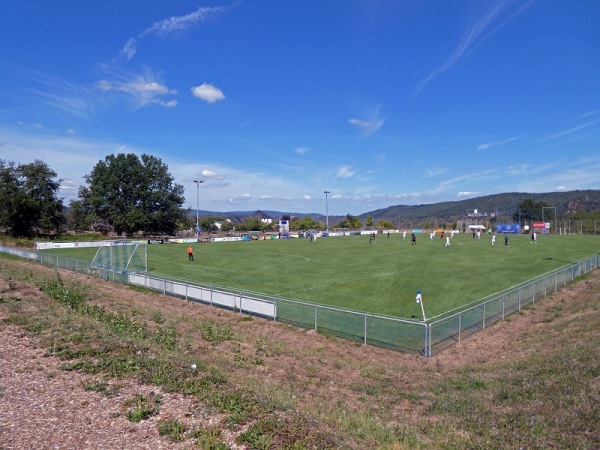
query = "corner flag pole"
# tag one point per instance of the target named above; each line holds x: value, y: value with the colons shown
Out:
x: 419, y: 300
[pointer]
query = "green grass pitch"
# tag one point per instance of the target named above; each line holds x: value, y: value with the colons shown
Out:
x: 380, y: 278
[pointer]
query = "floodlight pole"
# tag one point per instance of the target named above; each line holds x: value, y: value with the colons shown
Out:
x: 326, y: 211
x: 198, y: 206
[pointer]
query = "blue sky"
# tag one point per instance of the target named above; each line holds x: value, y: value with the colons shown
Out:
x: 379, y: 102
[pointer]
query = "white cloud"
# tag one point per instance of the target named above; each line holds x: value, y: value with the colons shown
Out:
x: 467, y: 194
x: 344, y: 172
x: 208, y: 93
x: 209, y: 174
x: 412, y: 195
x: 302, y: 150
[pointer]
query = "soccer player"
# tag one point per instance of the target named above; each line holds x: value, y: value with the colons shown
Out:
x: 413, y: 239
x: 190, y: 252
x: 447, y: 241
x: 493, y: 238
x: 506, y: 240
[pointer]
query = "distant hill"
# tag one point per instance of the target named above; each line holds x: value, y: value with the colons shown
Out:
x: 502, y: 206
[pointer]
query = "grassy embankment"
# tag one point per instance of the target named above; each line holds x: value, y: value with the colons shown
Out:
x: 288, y: 390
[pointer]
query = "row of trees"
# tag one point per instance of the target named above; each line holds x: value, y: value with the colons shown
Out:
x: 124, y: 192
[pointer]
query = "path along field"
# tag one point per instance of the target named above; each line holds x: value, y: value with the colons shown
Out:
x: 379, y: 278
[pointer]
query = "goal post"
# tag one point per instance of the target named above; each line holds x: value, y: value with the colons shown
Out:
x: 121, y: 257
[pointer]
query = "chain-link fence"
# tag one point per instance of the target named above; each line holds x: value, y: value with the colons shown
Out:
x: 576, y: 227
x: 389, y: 332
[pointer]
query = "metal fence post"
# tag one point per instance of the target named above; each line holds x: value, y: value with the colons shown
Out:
x: 365, y: 338
x: 484, y: 316
x: 316, y: 319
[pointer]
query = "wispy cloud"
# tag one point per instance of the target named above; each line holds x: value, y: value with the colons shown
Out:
x: 587, y: 114
x: 489, y: 145
x: 368, y: 127
x: 173, y: 25
x: 436, y: 171
x: 412, y: 195
x: 371, y: 124
x: 498, y: 15
x: 62, y: 95
x: 344, y: 172
x: 569, y: 131
x: 143, y: 89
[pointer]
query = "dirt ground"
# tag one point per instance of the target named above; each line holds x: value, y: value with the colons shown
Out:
x: 43, y: 405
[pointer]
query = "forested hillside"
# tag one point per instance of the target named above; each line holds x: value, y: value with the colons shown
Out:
x: 503, y: 206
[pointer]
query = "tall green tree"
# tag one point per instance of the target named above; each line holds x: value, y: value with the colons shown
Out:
x: 350, y: 221
x: 29, y: 203
x: 306, y: 223
x: 134, y: 194
x: 529, y: 211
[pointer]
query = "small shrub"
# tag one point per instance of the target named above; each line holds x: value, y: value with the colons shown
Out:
x: 215, y: 333
x: 173, y: 429
x: 142, y: 407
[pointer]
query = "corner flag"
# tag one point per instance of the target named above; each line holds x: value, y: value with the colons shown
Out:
x: 419, y: 300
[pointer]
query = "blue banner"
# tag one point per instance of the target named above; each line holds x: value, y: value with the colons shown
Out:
x: 514, y: 228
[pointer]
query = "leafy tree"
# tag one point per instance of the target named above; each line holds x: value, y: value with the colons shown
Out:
x: 226, y: 226
x: 207, y: 223
x: 306, y: 223
x: 134, y: 194
x: 350, y: 221
x: 386, y: 224
x: 77, y: 219
x: 28, y: 199
x: 370, y: 222
x: 251, y: 224
x: 529, y: 211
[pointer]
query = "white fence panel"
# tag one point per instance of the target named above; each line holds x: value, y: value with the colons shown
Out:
x: 179, y: 289
x: 224, y: 299
x: 257, y: 306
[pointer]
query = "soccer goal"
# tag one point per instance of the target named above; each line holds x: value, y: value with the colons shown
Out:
x: 121, y: 257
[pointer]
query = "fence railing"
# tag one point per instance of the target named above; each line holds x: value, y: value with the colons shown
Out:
x: 393, y: 333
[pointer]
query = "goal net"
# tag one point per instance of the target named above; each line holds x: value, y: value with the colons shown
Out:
x: 121, y: 257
